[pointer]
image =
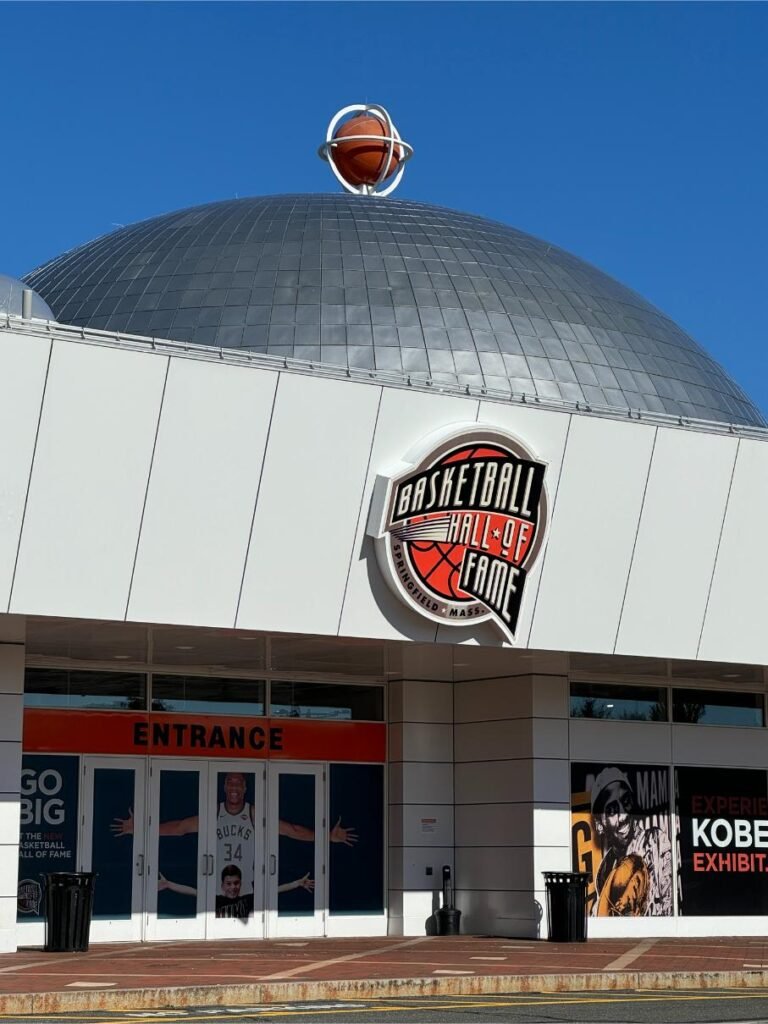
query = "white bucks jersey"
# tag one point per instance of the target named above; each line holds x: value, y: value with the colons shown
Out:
x: 234, y: 844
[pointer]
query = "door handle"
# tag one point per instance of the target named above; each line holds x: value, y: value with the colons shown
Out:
x: 272, y: 864
x: 204, y: 868
x: 140, y: 865
x: 210, y: 871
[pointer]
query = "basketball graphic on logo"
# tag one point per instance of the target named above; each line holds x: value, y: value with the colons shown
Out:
x: 439, y: 564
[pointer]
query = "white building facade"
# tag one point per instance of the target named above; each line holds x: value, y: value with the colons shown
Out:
x: 205, y: 668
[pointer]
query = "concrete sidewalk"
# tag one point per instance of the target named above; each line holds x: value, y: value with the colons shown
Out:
x: 237, y: 973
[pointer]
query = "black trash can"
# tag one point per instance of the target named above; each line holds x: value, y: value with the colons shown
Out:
x: 448, y: 921
x: 68, y: 909
x: 566, y: 905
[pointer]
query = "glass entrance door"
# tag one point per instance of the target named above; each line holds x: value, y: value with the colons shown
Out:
x: 113, y: 800
x: 189, y: 849
x: 178, y: 862
x: 296, y: 853
x: 205, y: 854
x: 235, y: 886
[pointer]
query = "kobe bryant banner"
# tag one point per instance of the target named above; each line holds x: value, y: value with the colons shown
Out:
x: 620, y: 836
x: 722, y: 859
x: 459, y: 525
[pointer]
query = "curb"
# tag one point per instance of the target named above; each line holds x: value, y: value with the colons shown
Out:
x: 298, y: 991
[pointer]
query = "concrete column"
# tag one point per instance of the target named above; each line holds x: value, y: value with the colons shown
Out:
x: 512, y: 798
x: 551, y: 782
x: 12, y: 631
x: 420, y: 787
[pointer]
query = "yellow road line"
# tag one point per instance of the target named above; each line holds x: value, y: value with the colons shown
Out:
x: 430, y: 1006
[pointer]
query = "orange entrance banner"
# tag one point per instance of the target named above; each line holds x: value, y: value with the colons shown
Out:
x: 155, y: 733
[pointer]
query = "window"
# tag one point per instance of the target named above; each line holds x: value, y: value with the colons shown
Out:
x: 327, y: 700
x: 59, y: 688
x: 714, y: 707
x: 622, y: 703
x: 204, y: 695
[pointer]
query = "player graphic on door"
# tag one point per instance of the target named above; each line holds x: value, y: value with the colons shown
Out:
x: 235, y: 867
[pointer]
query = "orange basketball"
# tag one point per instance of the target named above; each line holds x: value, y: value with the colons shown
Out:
x: 361, y: 162
x: 438, y: 563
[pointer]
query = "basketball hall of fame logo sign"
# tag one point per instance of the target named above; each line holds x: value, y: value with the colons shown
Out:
x: 459, y: 525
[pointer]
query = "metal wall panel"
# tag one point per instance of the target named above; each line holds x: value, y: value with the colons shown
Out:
x: 89, y: 479
x: 418, y: 741
x: 591, y: 536
x: 496, y: 867
x: 406, y: 825
x: 676, y: 544
x: 421, y: 782
x: 493, y: 824
x: 370, y: 607
x: 648, y: 742
x: 489, y: 912
x: 23, y: 365
x: 718, y: 745
x: 636, y: 517
x: 308, y: 506
x: 202, y: 492
x: 735, y: 623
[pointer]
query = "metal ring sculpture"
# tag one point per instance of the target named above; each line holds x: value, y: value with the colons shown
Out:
x: 396, y: 147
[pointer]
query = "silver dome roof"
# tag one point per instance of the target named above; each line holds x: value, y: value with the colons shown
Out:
x: 391, y: 285
x: 10, y: 299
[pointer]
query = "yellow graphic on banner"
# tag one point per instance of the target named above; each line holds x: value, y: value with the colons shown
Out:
x: 620, y: 838
x: 584, y: 842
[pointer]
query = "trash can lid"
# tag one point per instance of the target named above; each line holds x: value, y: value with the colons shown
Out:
x: 565, y: 877
x: 70, y: 876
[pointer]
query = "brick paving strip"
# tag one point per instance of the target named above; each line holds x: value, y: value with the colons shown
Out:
x: 185, y: 974
x: 324, y: 964
x: 630, y: 955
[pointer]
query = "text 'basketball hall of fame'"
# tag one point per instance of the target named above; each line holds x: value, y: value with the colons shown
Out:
x: 459, y: 528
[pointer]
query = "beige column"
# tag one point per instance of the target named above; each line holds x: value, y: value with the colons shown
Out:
x: 512, y: 794
x: 420, y: 785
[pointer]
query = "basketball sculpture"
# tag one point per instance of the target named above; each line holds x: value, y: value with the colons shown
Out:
x: 365, y: 150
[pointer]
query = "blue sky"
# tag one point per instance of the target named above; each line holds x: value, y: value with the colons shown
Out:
x: 633, y: 135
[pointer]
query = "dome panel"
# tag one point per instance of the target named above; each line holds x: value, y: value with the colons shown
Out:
x: 385, y: 284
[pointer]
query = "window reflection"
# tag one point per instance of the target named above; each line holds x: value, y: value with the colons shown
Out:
x: 61, y: 688
x: 205, y: 695
x: 711, y: 707
x: 327, y: 700
x: 621, y: 703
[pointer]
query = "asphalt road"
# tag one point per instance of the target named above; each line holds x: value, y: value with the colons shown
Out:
x: 713, y: 1007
